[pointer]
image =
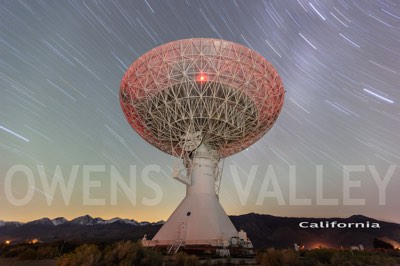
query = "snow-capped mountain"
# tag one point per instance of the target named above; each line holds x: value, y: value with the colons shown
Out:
x: 88, y: 220
x: 81, y: 228
x: 43, y: 221
x: 16, y: 224
x: 113, y: 220
x: 122, y: 221
x: 158, y: 223
x: 85, y: 220
x: 59, y: 220
x: 131, y: 222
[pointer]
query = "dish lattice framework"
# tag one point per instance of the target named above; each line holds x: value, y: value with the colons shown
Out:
x: 218, y: 92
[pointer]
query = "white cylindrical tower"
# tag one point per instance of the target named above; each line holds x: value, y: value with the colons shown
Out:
x: 200, y: 218
x: 202, y: 171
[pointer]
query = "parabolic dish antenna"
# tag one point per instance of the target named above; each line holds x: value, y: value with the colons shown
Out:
x: 200, y: 100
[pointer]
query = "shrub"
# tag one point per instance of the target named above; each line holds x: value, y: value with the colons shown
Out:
x: 47, y: 252
x: 28, y: 254
x: 85, y: 255
x: 272, y: 257
x: 123, y: 253
x: 152, y: 258
x: 321, y: 255
x: 129, y: 253
x: 14, y: 251
x: 183, y: 259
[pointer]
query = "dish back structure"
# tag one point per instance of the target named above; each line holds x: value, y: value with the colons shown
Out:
x: 221, y: 92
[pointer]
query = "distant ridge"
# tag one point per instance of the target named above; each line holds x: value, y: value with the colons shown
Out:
x: 81, y: 220
x: 264, y: 230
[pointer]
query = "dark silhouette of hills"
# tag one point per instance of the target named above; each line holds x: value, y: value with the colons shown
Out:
x: 282, y: 232
x: 263, y: 230
x: 84, y: 228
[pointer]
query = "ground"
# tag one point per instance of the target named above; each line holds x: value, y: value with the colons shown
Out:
x: 16, y: 262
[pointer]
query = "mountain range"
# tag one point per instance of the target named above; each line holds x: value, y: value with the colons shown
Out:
x: 264, y: 230
x: 82, y: 220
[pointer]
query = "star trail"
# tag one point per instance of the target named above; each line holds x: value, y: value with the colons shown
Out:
x: 61, y: 63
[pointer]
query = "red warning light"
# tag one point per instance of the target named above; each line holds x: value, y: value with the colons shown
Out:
x: 201, y: 77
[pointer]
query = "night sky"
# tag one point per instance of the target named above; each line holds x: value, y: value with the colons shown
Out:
x: 61, y: 63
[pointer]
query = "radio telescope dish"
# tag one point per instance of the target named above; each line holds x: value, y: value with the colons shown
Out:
x: 200, y: 100
x: 224, y: 90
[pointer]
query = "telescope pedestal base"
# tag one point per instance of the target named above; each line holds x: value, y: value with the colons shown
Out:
x: 198, y: 220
